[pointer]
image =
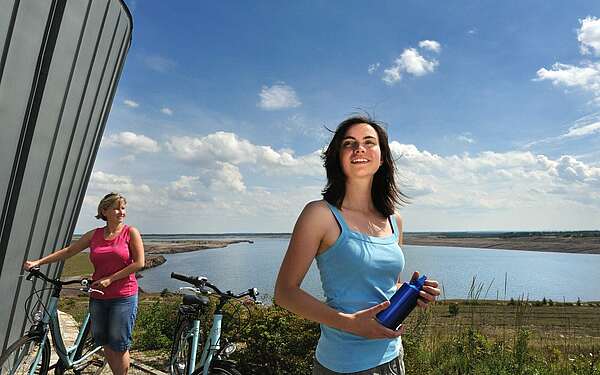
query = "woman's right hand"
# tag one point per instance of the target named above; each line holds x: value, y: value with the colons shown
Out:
x: 363, y: 323
x: 29, y: 264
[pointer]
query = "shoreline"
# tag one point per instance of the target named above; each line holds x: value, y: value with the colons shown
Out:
x: 556, y: 243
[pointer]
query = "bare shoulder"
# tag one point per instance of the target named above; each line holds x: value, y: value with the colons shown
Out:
x: 398, y: 219
x: 134, y: 231
x: 318, y: 213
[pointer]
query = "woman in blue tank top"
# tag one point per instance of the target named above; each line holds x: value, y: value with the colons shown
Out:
x: 355, y: 236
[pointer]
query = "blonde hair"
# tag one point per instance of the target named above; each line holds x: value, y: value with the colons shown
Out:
x: 107, y: 202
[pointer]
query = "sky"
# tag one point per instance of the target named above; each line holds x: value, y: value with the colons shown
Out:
x: 492, y: 110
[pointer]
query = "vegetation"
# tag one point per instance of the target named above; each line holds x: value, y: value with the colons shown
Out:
x: 452, y: 337
x: 78, y: 265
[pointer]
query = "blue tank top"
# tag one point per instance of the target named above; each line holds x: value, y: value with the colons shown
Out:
x: 357, y: 272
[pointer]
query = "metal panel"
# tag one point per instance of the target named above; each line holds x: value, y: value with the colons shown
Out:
x: 59, y: 64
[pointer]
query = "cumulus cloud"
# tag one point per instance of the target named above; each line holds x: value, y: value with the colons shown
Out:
x: 183, y: 188
x: 106, y: 182
x: 278, y: 96
x: 166, y: 111
x: 411, y: 62
x: 225, y: 147
x: 586, y: 75
x: 131, y: 142
x: 588, y: 35
x: 458, y: 181
x: 431, y: 45
x: 228, y: 177
x: 131, y: 103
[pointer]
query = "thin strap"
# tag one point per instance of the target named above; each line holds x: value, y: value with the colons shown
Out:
x: 338, y: 217
x: 394, y: 226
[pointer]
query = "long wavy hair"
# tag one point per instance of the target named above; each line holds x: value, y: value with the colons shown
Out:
x: 385, y: 193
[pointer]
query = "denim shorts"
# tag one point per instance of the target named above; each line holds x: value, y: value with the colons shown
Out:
x: 112, y: 321
x: 393, y: 367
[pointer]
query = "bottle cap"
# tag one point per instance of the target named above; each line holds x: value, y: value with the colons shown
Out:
x: 418, y: 283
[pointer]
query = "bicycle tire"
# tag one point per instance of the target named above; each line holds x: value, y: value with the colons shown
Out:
x: 219, y: 367
x: 19, y: 356
x: 181, y: 350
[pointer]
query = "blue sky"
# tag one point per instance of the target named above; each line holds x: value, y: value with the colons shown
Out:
x: 493, y: 111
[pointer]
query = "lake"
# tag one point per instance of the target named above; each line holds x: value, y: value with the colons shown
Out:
x: 529, y: 274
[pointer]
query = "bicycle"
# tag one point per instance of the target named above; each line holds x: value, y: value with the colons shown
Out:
x: 188, y: 336
x: 30, y: 354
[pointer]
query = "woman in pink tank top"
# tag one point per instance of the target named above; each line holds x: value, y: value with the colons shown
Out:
x: 116, y: 252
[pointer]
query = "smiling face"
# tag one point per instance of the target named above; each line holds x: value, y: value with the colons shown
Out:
x: 360, y: 155
x: 115, y: 213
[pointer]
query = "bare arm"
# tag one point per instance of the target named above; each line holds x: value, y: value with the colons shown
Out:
x: 136, y: 247
x: 67, y: 252
x: 308, y: 233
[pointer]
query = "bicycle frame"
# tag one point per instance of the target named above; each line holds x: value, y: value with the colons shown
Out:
x: 211, y: 347
x: 50, y: 322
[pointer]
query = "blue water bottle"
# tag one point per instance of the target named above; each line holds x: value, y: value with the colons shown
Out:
x: 401, y: 303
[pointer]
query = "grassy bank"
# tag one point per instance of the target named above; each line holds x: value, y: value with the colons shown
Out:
x: 452, y: 337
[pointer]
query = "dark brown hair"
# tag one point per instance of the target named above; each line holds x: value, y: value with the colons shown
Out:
x: 384, y: 192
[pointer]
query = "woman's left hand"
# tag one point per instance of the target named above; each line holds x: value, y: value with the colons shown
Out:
x: 429, y: 292
x: 102, y: 283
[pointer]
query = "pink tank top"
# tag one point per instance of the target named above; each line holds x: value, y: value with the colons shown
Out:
x: 109, y: 257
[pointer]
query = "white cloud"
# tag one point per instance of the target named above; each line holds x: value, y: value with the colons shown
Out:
x: 586, y: 77
x: 166, y: 111
x: 411, y: 62
x: 106, y: 182
x: 227, y: 147
x: 373, y: 68
x: 278, y: 96
x: 581, y: 131
x: 589, y: 35
x: 392, y: 75
x: 183, y: 188
x: 159, y: 63
x: 228, y: 177
x: 431, y: 45
x: 131, y: 142
x: 492, y: 180
x: 131, y: 103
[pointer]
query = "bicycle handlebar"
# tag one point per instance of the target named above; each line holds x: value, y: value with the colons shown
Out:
x: 85, y: 282
x: 201, y: 283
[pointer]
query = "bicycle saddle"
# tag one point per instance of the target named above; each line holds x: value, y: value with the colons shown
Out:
x: 195, y: 300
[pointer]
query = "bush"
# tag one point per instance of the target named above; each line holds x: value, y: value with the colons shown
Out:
x: 453, y: 309
x: 277, y: 342
x: 155, y: 324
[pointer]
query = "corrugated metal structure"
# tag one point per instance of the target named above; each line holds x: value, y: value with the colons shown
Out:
x: 59, y: 67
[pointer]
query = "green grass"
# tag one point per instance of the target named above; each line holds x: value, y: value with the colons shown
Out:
x: 484, y: 337
x: 78, y: 265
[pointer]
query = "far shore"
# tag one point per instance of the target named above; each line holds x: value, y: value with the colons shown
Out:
x: 560, y: 242
x: 183, y: 246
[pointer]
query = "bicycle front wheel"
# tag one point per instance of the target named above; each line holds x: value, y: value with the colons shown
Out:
x: 22, y: 356
x: 181, y: 351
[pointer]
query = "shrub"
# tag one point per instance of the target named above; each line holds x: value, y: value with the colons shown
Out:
x: 155, y: 324
x: 453, y: 309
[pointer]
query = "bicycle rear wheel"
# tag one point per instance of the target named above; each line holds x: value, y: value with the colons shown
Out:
x: 21, y: 356
x: 181, y: 351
